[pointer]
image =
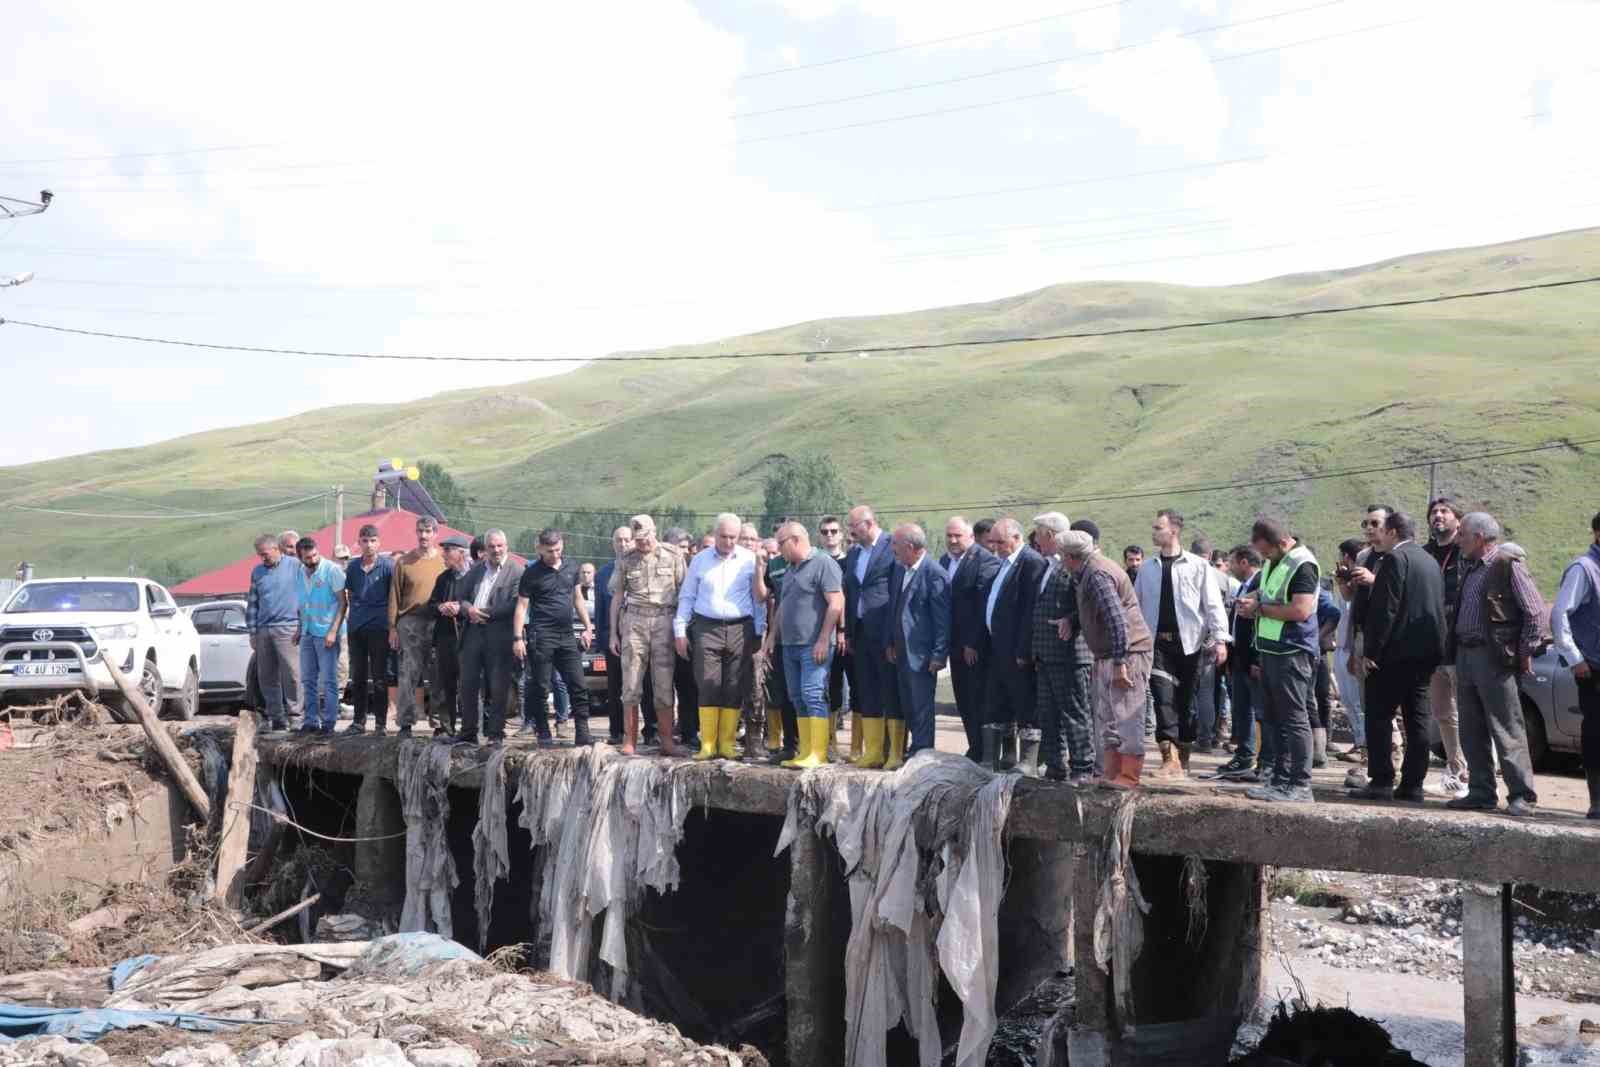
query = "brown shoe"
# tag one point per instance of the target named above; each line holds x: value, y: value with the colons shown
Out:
x: 1129, y: 769
x: 1184, y: 750
x: 1171, y: 769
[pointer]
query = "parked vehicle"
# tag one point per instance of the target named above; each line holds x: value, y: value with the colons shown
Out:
x: 53, y: 632
x: 1550, y: 707
x: 225, y: 655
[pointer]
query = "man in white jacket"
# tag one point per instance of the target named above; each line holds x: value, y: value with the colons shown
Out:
x: 1181, y: 599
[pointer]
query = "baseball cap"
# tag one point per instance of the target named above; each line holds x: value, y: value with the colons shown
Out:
x: 455, y: 541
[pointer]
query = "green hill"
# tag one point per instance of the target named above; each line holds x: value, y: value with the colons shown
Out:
x: 1056, y: 421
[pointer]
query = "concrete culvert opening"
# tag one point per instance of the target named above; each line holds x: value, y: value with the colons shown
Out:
x: 317, y: 854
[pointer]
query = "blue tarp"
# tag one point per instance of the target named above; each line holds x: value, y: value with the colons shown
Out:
x: 91, y: 1024
x: 404, y: 955
x: 128, y: 968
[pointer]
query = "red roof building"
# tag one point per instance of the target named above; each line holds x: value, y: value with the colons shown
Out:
x: 397, y: 532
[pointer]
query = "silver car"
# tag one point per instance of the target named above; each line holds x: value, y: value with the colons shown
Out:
x: 1550, y: 707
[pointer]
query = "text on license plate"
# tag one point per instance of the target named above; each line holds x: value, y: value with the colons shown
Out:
x: 46, y: 669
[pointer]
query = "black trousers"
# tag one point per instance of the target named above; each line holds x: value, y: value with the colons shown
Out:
x: 1013, y: 694
x: 447, y: 682
x: 838, y: 668
x: 614, y: 694
x: 369, y: 689
x: 1589, y: 708
x: 1172, y: 688
x: 1322, y: 710
x: 487, y: 651
x: 557, y: 654
x: 1401, y: 687
x: 971, y: 685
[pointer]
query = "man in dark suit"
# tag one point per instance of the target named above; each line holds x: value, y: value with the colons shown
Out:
x: 1008, y: 616
x: 443, y: 607
x: 919, y: 642
x: 971, y: 568
x: 488, y: 604
x: 868, y: 607
x: 1403, y: 640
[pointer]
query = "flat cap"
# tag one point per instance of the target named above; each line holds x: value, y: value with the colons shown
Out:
x: 455, y: 541
x: 1075, y: 543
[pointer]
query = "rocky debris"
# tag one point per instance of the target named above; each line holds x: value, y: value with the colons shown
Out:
x: 1413, y: 926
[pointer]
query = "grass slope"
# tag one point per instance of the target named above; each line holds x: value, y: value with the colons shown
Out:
x: 1072, y: 422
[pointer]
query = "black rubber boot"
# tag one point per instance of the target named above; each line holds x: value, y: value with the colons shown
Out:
x: 1028, y: 754
x: 1593, y: 775
x: 991, y: 746
x: 1008, y: 747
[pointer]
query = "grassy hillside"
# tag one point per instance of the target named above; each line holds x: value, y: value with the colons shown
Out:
x: 1069, y: 422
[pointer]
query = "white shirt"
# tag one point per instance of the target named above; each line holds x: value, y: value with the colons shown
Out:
x: 1051, y: 563
x: 1196, y: 600
x: 480, y: 599
x: 955, y: 564
x: 862, y: 558
x: 994, y: 591
x: 1576, y: 590
x: 718, y: 587
x: 911, y: 572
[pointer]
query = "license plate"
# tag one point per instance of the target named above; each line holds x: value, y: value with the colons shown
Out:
x: 598, y: 665
x: 48, y: 670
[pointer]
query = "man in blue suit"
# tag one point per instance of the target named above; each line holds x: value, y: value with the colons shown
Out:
x: 919, y: 641
x: 971, y: 568
x: 868, y: 609
x: 1008, y: 614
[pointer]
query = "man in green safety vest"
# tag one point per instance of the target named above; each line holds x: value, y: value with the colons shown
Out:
x: 1285, y: 609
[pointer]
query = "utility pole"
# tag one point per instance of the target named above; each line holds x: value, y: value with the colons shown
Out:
x: 338, y: 514
x: 1433, y: 477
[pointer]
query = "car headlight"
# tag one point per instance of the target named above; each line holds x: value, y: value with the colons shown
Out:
x: 123, y: 631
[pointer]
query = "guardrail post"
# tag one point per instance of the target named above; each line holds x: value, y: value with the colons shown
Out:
x: 1488, y: 980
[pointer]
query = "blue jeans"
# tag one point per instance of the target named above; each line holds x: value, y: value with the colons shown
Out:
x: 319, y: 680
x: 807, y: 680
x: 563, y: 698
x: 1246, y: 706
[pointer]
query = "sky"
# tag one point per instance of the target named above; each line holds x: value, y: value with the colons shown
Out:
x: 577, y: 179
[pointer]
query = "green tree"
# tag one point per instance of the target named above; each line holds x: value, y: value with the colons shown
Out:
x: 447, y: 493
x: 806, y: 487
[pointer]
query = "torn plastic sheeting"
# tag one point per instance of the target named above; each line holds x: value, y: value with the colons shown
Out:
x: 91, y: 1024
x: 407, y: 955
x: 424, y: 778
x: 610, y: 827
x: 925, y: 863
x: 126, y: 969
x: 491, y: 857
x: 1118, y: 914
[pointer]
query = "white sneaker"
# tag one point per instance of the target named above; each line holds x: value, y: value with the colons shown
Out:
x: 1448, y: 786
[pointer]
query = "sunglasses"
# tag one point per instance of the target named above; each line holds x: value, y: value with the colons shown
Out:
x: 1370, y: 524
x: 829, y: 532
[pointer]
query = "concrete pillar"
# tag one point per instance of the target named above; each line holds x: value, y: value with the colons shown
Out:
x: 1035, y: 918
x: 813, y: 950
x: 380, y: 855
x: 1487, y: 978
x: 1089, y: 1042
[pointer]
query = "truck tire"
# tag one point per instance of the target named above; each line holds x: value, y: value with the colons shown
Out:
x: 1538, y: 740
x: 149, y: 684
x: 187, y: 701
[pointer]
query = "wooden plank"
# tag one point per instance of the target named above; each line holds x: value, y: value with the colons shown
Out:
x: 161, y: 741
x: 231, y: 853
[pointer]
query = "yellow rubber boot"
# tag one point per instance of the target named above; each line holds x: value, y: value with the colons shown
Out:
x: 802, y: 750
x: 829, y: 754
x: 814, y: 737
x: 871, y: 757
x: 708, y: 733
x: 728, y: 734
x: 855, y: 734
x: 896, y: 730
x: 774, y: 730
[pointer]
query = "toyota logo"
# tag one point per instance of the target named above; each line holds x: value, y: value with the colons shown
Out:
x: 44, y: 635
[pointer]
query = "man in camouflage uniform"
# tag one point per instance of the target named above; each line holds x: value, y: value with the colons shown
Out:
x: 644, y: 590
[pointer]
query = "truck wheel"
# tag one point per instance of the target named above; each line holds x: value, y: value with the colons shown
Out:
x: 1538, y: 740
x: 187, y: 702
x: 149, y: 686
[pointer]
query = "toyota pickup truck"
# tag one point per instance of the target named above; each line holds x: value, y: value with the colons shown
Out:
x: 54, y: 630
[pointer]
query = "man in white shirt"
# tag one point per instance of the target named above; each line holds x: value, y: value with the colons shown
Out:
x: 1575, y: 632
x: 715, y: 631
x: 1181, y: 600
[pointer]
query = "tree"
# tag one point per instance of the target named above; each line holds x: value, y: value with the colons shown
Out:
x: 805, y: 487
x: 447, y: 493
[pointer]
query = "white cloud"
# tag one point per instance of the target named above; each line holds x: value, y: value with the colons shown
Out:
x: 1166, y: 92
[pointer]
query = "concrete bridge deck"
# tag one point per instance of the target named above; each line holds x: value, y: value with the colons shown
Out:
x: 1180, y: 986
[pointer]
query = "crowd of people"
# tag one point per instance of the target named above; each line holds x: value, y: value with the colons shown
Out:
x: 1062, y: 661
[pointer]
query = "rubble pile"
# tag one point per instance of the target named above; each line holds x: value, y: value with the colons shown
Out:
x: 1413, y: 926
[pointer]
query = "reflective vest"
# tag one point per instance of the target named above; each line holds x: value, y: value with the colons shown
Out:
x: 1275, y: 636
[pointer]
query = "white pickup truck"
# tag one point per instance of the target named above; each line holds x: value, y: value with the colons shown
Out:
x: 53, y: 630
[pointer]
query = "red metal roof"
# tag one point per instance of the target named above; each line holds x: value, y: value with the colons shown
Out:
x: 397, y: 531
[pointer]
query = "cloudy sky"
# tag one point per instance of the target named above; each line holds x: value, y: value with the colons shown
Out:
x: 574, y: 179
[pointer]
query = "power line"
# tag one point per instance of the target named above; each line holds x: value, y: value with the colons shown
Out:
x: 279, y: 506
x: 1034, y: 65
x: 1021, y: 500
x: 1062, y: 91
x: 929, y: 42
x: 134, y: 155
x: 923, y: 346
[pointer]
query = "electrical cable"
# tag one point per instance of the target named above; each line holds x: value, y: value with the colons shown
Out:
x: 1061, y: 91
x: 1035, y: 64
x: 929, y: 42
x: 134, y: 155
x: 923, y: 346
x: 279, y: 506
